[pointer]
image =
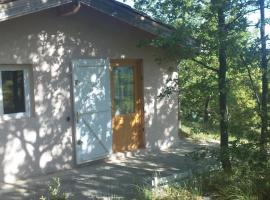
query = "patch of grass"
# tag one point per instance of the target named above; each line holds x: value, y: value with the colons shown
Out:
x: 185, y: 189
x: 201, y: 132
x: 242, y: 183
x: 172, y: 191
x: 248, y: 180
x: 239, y: 185
x: 55, y: 192
x: 197, y: 132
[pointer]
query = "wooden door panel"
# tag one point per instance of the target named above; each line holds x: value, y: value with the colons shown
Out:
x: 127, y: 133
x: 127, y: 127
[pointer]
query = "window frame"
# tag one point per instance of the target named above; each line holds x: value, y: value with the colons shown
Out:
x: 27, y: 93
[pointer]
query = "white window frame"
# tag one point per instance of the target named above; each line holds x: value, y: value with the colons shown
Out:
x: 27, y: 96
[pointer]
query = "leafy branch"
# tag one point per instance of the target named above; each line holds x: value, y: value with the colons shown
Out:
x: 202, y: 64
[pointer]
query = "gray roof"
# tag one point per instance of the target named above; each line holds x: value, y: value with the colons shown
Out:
x: 15, y: 8
x: 6, y: 1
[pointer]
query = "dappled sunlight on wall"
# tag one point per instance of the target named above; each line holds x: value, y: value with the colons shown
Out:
x: 93, y: 109
x: 43, y: 143
x: 160, y: 113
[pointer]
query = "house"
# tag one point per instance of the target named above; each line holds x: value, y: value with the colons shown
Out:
x: 75, y: 87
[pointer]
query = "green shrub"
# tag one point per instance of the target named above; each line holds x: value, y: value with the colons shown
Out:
x: 173, y: 191
x: 250, y: 176
x: 55, y: 192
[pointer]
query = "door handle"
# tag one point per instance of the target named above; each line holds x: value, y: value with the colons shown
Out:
x: 79, y: 142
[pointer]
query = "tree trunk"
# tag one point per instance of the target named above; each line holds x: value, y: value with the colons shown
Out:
x: 224, y: 138
x: 264, y: 117
x: 179, y: 101
x: 206, y: 110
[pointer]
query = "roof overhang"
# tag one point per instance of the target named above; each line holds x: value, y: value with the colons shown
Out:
x: 112, y: 8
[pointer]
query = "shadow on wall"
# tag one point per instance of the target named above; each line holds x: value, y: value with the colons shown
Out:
x: 93, y: 104
x: 161, y: 112
x: 43, y: 142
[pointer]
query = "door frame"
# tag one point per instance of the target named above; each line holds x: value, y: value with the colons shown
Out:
x: 138, y: 77
x: 139, y: 63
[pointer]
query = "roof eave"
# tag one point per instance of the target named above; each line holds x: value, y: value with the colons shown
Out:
x: 112, y: 8
x: 24, y: 7
x: 130, y: 16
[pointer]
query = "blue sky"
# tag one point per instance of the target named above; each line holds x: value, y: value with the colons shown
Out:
x: 255, y: 16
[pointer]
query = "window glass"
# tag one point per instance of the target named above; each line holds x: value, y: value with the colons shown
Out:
x: 123, y: 90
x: 13, y: 91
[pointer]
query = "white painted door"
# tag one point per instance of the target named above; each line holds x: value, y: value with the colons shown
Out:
x: 92, y: 108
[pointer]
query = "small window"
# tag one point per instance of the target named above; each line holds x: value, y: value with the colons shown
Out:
x: 14, y: 92
x: 123, y: 90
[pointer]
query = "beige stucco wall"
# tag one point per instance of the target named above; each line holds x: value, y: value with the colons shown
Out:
x: 43, y: 143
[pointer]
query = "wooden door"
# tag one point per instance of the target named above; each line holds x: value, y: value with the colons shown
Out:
x: 127, y: 104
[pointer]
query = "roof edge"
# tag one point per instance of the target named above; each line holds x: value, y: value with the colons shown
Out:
x: 112, y: 8
x: 129, y: 15
x: 24, y: 7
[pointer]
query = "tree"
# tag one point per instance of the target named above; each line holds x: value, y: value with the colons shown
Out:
x: 218, y: 6
x: 264, y: 99
x: 216, y: 26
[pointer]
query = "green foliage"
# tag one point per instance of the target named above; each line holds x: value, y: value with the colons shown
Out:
x: 55, y: 192
x: 249, y: 179
x: 197, y: 84
x: 250, y: 176
x: 171, y: 11
x: 195, y: 44
x: 189, y: 190
x: 199, y: 132
x: 242, y: 184
x: 232, y: 187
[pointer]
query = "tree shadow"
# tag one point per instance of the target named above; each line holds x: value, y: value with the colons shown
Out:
x: 113, y: 178
x: 44, y: 143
